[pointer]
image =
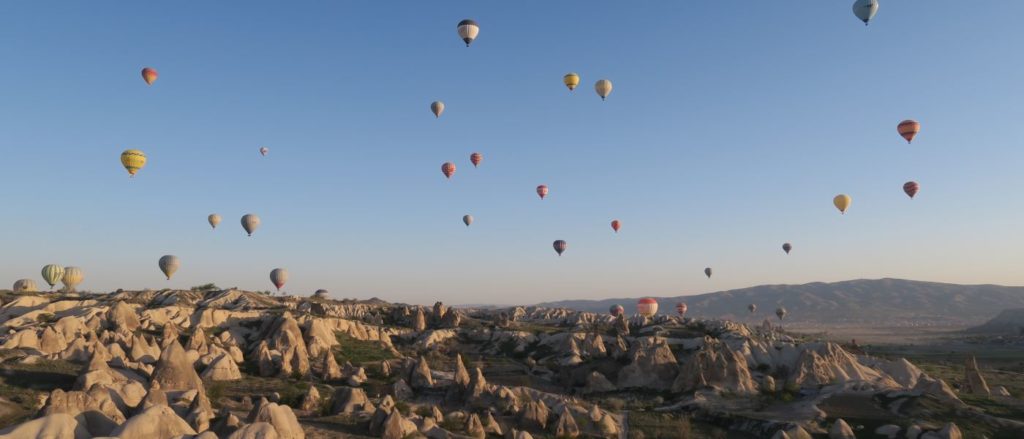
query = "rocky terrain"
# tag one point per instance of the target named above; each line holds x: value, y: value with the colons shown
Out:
x: 236, y: 364
x: 855, y: 302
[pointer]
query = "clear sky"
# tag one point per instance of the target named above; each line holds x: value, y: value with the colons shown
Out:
x: 731, y: 127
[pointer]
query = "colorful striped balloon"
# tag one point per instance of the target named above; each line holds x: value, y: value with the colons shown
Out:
x: 52, y: 274
x: 911, y: 188
x: 560, y: 246
x: 908, y: 129
x: 133, y: 160
x: 448, y: 169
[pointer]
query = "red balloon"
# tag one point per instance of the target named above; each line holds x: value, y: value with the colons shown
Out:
x: 616, y: 225
x: 476, y: 158
x: 911, y: 188
x: 448, y: 168
x: 542, y: 190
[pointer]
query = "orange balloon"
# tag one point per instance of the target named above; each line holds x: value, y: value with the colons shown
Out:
x: 149, y: 75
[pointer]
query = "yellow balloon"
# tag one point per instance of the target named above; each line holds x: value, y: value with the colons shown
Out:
x: 842, y: 202
x: 133, y: 160
x: 571, y: 80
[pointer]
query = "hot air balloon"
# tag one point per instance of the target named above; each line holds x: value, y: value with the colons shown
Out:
x: 52, y: 274
x: 133, y: 160
x: 842, y: 202
x: 865, y: 10
x: 24, y: 286
x: 448, y: 169
x: 616, y: 310
x: 908, y: 129
x: 681, y: 309
x: 213, y: 219
x: 787, y: 247
x: 647, y: 307
x: 264, y: 150
x: 781, y: 312
x: 321, y: 294
x: 707, y: 272
x: 468, y: 219
x: 616, y: 225
x: 603, y: 88
x: 476, y: 158
x: 560, y: 246
x: 169, y: 264
x: 250, y: 222
x: 542, y: 190
x: 911, y: 188
x: 149, y: 75
x: 468, y: 30
x: 437, y: 107
x: 571, y: 80
x: 72, y: 277
x: 279, y: 276
x: 752, y: 308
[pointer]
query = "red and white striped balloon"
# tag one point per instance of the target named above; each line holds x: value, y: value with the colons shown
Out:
x: 911, y: 188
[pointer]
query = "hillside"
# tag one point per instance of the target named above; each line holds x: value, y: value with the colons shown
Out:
x: 862, y: 301
x: 1008, y: 322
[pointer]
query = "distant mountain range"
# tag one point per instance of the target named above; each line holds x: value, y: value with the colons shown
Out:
x: 862, y: 301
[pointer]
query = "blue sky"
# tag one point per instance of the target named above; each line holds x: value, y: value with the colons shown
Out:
x: 730, y: 129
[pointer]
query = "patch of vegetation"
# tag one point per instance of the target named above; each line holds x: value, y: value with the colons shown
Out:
x: 359, y: 352
x: 644, y: 425
x: 291, y: 391
x: 206, y: 287
x: 23, y: 385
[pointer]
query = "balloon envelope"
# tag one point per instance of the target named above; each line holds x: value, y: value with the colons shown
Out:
x: 72, y: 277
x: 213, y: 219
x: 468, y: 219
x: 133, y: 160
x: 278, y: 277
x: 24, y: 286
x: 560, y: 246
x: 264, y: 150
x: 542, y: 191
x: 169, y: 265
x: 647, y: 307
x: 616, y: 225
x: 865, y: 10
x: 437, y: 107
x: 911, y: 188
x: 603, y: 88
x: 616, y: 310
x: 752, y: 308
x: 842, y: 202
x: 681, y: 309
x: 448, y: 169
x: 781, y: 312
x: 707, y: 272
x: 149, y: 75
x: 787, y: 247
x: 475, y: 158
x: 571, y: 80
x: 468, y: 30
x: 908, y: 129
x: 52, y: 274
x: 250, y: 223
